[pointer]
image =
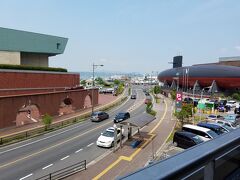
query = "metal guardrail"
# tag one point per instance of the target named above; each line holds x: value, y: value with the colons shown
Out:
x: 65, y: 172
x: 15, y: 137
x: 215, y: 159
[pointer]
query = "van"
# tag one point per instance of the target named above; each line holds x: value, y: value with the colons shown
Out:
x: 186, y: 139
x: 205, y: 133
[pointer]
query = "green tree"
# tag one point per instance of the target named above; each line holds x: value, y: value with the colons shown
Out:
x: 236, y: 96
x: 100, y: 81
x: 157, y: 89
x: 83, y: 82
x: 149, y: 107
x: 116, y: 82
x: 186, y: 112
x: 47, y: 121
x: 173, y: 94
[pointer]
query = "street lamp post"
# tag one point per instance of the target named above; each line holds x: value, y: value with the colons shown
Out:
x: 94, y: 66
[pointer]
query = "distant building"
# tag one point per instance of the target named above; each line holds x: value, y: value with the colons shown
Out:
x: 220, y: 76
x: 28, y: 48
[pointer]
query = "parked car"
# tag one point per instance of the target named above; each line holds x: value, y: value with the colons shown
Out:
x: 121, y: 116
x: 225, y: 127
x: 227, y: 123
x: 214, y: 117
x: 106, y: 139
x: 205, y: 133
x: 214, y: 127
x: 237, y: 110
x: 186, y: 139
x: 221, y: 108
x: 233, y: 118
x: 223, y: 102
x: 133, y: 96
x: 99, y: 116
x: 231, y: 103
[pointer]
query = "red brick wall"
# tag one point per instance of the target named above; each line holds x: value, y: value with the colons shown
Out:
x: 46, y: 102
x: 18, y: 79
x: 28, y: 91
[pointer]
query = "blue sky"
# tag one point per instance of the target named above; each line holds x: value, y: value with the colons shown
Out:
x: 131, y: 35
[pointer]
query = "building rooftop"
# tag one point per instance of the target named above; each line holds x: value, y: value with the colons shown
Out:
x: 23, y: 41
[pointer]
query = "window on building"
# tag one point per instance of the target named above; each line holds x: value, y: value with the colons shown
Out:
x: 58, y: 45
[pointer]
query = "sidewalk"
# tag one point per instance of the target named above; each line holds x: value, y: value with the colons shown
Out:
x: 127, y: 159
x: 103, y: 100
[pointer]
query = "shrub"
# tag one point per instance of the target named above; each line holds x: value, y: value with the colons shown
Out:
x: 33, y: 68
x: 47, y: 120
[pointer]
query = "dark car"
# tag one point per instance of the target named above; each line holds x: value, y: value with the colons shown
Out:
x: 237, y: 110
x: 223, y: 102
x: 186, y: 140
x: 121, y: 116
x: 214, y: 127
x: 147, y: 94
x: 221, y: 108
x: 99, y: 116
x: 133, y: 96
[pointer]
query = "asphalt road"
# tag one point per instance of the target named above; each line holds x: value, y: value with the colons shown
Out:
x: 40, y: 156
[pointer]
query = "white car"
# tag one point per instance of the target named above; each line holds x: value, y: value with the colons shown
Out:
x: 231, y: 103
x: 106, y: 139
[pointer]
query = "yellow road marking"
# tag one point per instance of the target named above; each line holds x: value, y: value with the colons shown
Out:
x: 125, y: 158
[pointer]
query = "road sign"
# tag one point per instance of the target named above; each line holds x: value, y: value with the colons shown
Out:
x: 179, y: 96
x: 178, y: 101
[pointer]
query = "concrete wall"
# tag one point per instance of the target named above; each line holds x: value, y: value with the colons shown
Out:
x: 8, y: 57
x: 34, y: 59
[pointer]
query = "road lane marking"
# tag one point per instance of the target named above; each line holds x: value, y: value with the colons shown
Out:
x: 47, y: 166
x: 118, y: 107
x: 54, y: 146
x: 26, y: 176
x: 41, y: 139
x: 58, y: 144
x: 78, y: 150
x: 130, y: 158
x: 65, y: 158
x: 90, y: 145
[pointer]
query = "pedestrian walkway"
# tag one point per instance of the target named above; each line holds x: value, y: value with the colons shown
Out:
x: 127, y: 159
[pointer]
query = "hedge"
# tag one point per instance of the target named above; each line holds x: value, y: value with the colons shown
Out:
x: 34, y: 68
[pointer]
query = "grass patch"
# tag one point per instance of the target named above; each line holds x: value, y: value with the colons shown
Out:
x: 170, y: 138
